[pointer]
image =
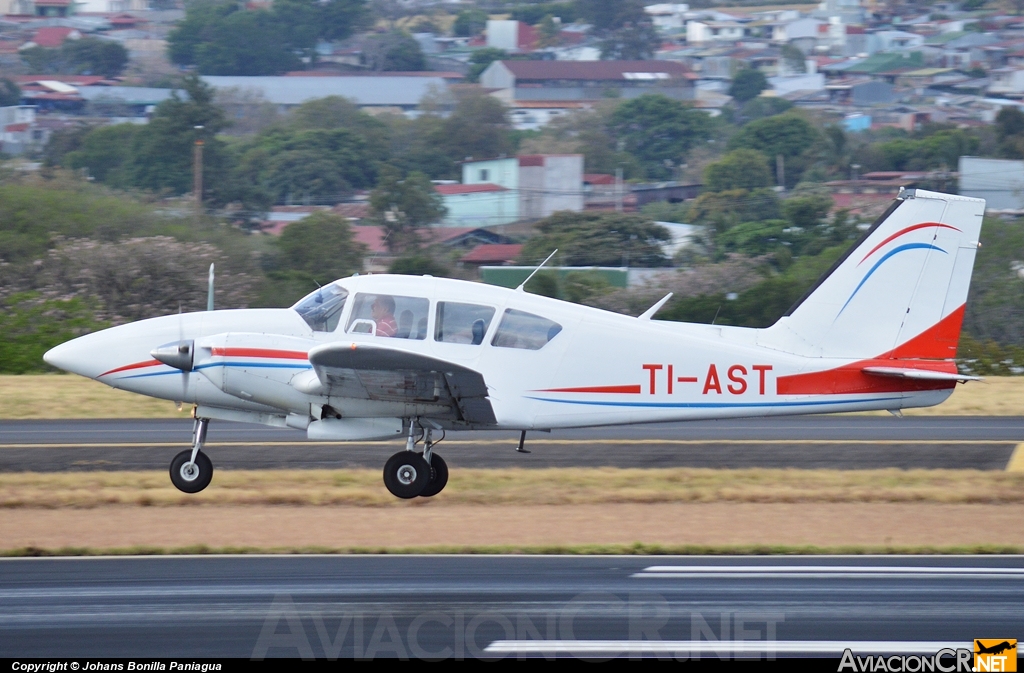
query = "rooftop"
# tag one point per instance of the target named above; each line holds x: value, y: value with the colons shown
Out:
x: 598, y: 70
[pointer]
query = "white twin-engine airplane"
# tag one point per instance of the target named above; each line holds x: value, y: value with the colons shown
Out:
x: 383, y: 356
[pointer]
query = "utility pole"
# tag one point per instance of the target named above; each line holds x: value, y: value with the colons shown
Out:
x: 780, y: 170
x: 618, y: 189
x: 197, y: 175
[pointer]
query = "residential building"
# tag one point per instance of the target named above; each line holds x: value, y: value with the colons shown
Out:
x: 999, y: 181
x: 699, y: 32
x: 512, y: 36
x: 478, y: 205
x: 549, y: 183
x: 515, y: 81
x: 18, y: 131
x: 668, y: 17
x: 372, y: 92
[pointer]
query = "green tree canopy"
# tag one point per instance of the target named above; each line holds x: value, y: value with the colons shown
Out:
x: 10, y: 93
x: 659, y: 131
x: 394, y: 51
x: 87, y: 56
x: 104, y: 153
x: 402, y: 206
x: 224, y: 38
x: 632, y: 42
x: 739, y: 169
x: 611, y: 14
x: 789, y: 134
x: 747, y: 84
x: 598, y: 239
x: 470, y: 22
x: 481, y: 58
x: 321, y: 247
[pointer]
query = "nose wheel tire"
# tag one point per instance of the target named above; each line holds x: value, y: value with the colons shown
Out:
x: 191, y: 477
x: 438, y: 476
x: 406, y: 474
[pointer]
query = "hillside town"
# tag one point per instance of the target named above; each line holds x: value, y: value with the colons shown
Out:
x: 703, y: 148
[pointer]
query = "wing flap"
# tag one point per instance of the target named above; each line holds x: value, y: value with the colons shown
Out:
x: 918, y: 374
x: 376, y: 372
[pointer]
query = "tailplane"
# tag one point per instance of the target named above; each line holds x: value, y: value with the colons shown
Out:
x: 898, y: 293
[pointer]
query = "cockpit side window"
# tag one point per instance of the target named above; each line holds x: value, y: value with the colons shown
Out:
x: 462, y: 323
x: 322, y: 309
x: 519, y: 329
x: 389, y: 315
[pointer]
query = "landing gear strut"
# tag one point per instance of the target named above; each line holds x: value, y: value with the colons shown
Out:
x: 408, y: 474
x: 191, y: 470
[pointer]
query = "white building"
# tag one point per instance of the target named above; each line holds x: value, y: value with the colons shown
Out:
x: 999, y: 181
x: 667, y: 16
x: 714, y: 31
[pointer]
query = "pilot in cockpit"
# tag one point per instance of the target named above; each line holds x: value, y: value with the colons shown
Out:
x: 383, y: 312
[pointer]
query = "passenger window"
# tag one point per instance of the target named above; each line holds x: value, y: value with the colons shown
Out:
x: 462, y: 323
x: 519, y: 329
x: 387, y: 315
x: 322, y: 309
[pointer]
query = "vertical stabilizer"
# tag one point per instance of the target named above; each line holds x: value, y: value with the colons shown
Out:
x: 899, y: 292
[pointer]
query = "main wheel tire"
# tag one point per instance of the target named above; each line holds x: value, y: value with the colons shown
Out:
x: 438, y: 476
x: 406, y: 474
x: 191, y: 478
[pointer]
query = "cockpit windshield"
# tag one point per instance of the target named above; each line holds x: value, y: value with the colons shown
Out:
x: 322, y: 309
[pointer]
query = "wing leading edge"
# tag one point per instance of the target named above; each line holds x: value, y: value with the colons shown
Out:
x: 374, y: 372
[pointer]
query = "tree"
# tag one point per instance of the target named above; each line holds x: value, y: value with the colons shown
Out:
x: 659, y: 132
x: 632, y: 42
x: 547, y: 31
x: 611, y: 14
x: 222, y: 38
x: 739, y: 169
x: 598, y: 239
x: 394, y: 51
x: 402, y: 206
x: 806, y: 211
x: 418, y: 265
x: 89, y: 56
x: 10, y: 93
x: 104, y: 153
x: 320, y: 247
x: 481, y: 58
x: 796, y: 61
x: 747, y: 84
x: 790, y: 135
x: 478, y: 127
x: 162, y: 150
x: 470, y: 22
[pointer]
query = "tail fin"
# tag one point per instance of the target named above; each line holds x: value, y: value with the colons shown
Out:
x: 898, y: 293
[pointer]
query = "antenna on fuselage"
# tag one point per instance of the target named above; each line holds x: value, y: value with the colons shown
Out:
x: 523, y: 284
x: 209, y: 290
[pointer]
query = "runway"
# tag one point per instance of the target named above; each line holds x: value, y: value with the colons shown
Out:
x: 503, y: 606
x: 842, y: 442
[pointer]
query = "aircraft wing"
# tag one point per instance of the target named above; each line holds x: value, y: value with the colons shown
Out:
x: 919, y: 374
x: 379, y: 373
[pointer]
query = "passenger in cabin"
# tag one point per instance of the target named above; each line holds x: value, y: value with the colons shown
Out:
x: 405, y: 326
x: 383, y: 312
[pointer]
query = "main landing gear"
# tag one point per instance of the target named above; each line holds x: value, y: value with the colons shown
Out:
x: 408, y: 474
x: 191, y: 470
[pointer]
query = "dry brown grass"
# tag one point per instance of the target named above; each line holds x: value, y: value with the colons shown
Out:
x: 46, y: 396
x: 556, y: 486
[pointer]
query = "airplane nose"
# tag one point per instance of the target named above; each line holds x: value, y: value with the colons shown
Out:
x: 77, y: 356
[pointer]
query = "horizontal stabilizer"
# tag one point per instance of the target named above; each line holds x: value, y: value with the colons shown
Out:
x: 919, y: 374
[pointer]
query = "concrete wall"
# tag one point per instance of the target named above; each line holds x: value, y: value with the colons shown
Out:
x: 481, y: 209
x: 504, y: 172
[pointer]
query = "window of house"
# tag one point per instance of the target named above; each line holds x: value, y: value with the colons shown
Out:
x: 519, y: 329
x: 485, y: 174
x: 462, y: 323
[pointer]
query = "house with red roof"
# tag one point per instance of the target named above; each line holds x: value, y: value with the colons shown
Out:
x: 52, y: 37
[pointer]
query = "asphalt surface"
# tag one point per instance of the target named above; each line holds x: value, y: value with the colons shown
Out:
x: 842, y: 442
x: 501, y: 606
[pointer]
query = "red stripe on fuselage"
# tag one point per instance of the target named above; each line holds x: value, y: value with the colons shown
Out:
x: 899, y: 233
x: 261, y: 353
x: 629, y: 390
x: 136, y: 365
x: 931, y: 350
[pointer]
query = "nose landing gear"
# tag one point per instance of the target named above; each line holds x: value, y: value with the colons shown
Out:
x: 192, y: 470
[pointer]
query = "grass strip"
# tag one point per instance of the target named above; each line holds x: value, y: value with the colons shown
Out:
x: 518, y: 486
x: 635, y: 549
x: 55, y: 396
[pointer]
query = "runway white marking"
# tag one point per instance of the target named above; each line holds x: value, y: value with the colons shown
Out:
x: 719, y: 648
x: 827, y: 572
